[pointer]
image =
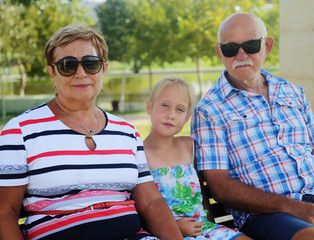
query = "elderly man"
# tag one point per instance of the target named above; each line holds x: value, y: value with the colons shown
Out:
x: 254, y: 135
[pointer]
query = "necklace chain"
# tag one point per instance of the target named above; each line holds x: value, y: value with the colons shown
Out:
x: 89, y: 132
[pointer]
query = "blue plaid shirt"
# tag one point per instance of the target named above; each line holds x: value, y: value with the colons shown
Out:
x: 265, y: 145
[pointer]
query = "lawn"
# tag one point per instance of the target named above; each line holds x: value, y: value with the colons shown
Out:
x: 144, y: 130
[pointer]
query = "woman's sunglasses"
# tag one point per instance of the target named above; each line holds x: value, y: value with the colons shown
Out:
x: 250, y: 47
x: 67, y: 66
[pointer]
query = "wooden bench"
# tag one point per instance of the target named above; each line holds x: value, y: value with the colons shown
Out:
x: 23, y: 216
x: 217, y: 209
x: 220, y: 214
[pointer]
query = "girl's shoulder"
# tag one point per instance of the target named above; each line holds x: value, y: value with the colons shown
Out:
x: 185, y: 144
x: 186, y: 140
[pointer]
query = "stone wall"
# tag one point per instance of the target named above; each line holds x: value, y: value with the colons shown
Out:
x: 296, y: 44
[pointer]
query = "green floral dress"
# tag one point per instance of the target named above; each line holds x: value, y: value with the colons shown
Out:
x: 180, y: 187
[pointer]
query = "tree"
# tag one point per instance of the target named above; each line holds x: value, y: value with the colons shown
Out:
x: 197, y: 34
x: 114, y: 20
x: 173, y: 30
x: 25, y: 29
x: 156, y: 32
x: 116, y: 24
x: 270, y: 16
x: 148, y: 32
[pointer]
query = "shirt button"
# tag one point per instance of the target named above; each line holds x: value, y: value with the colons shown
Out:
x: 263, y: 101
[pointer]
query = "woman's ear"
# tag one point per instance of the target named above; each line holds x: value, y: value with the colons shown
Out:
x: 105, y: 68
x: 50, y: 71
x: 148, y: 107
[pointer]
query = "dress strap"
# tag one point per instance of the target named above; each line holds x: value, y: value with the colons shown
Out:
x: 193, y: 149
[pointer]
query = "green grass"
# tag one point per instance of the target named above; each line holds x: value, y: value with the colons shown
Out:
x: 145, y: 129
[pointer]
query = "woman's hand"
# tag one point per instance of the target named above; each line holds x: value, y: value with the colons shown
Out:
x: 189, y: 227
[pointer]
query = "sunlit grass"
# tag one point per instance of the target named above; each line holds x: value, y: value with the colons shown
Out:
x: 144, y: 130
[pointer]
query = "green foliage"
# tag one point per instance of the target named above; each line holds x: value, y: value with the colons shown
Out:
x: 141, y: 33
x: 149, y: 33
x: 115, y: 22
x: 26, y: 26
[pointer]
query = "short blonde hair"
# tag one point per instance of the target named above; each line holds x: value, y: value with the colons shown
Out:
x: 181, y: 83
x: 71, y: 33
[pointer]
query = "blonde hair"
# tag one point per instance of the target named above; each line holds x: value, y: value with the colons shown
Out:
x: 181, y: 83
x: 71, y: 33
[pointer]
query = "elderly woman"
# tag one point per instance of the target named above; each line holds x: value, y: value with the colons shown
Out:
x: 80, y: 172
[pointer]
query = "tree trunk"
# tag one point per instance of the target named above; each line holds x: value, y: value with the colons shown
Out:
x: 23, y: 78
x: 122, y: 96
x: 150, y: 73
x: 199, y: 75
x: 4, y: 113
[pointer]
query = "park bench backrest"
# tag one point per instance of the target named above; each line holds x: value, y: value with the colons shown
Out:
x: 218, y: 209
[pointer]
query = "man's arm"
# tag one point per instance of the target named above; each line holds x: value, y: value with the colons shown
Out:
x: 249, y: 199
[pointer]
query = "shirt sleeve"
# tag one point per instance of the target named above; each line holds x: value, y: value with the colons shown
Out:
x: 211, y: 151
x: 13, y: 163
x: 309, y: 119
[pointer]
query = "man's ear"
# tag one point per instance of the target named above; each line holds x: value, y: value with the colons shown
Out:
x: 218, y: 50
x: 269, y: 43
x: 148, y: 107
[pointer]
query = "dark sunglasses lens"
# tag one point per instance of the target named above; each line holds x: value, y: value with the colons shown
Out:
x: 229, y: 49
x: 67, y: 66
x: 252, y: 46
x: 92, y: 65
x: 232, y: 49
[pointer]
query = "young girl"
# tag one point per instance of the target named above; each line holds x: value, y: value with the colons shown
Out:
x: 170, y: 159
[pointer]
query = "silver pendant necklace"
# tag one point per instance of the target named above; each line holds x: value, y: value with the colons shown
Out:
x: 88, y: 135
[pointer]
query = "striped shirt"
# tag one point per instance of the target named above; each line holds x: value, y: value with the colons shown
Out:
x: 265, y: 145
x: 61, y: 173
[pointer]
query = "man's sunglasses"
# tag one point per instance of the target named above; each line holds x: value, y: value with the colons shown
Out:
x: 67, y: 66
x: 250, y: 47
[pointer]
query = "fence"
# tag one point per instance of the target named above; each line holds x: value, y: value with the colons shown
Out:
x: 109, y: 102
x: 132, y: 102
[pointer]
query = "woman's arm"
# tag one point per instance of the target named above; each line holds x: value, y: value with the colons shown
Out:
x: 155, y: 212
x: 11, y: 199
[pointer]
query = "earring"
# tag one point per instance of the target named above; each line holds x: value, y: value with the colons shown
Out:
x: 56, y: 92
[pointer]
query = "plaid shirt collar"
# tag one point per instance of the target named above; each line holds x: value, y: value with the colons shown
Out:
x: 228, y: 89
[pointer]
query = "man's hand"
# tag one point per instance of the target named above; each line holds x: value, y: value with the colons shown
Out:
x: 302, y: 210
x: 189, y: 227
